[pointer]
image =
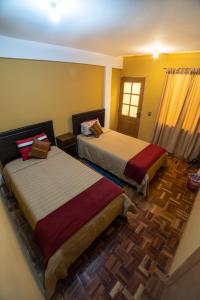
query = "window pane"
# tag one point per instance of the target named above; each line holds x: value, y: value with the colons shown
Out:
x: 135, y: 100
x: 125, y: 109
x: 126, y: 98
x: 133, y: 111
x: 136, y: 88
x: 127, y: 87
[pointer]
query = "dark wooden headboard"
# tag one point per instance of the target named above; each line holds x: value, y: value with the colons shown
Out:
x: 86, y: 116
x: 8, y: 148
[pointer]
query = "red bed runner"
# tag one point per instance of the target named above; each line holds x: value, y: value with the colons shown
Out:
x: 137, y: 166
x: 53, y: 230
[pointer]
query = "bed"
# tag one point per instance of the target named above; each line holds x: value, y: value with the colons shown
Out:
x: 66, y: 203
x: 113, y: 150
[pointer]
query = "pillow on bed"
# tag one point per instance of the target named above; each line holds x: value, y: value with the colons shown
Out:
x: 96, y: 130
x: 39, y: 149
x: 41, y: 137
x: 85, y: 126
x: 25, y: 145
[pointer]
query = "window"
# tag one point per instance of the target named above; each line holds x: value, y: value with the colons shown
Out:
x: 130, y: 98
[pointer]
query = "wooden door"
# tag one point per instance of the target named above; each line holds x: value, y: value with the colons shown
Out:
x: 130, y: 106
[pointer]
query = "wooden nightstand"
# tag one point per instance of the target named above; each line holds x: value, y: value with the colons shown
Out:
x: 68, y: 143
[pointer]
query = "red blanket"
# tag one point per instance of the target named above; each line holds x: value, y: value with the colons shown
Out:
x: 137, y: 166
x: 52, y: 231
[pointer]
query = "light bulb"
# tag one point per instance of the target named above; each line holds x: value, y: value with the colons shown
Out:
x: 155, y: 54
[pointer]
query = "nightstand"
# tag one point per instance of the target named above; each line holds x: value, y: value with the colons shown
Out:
x: 68, y: 143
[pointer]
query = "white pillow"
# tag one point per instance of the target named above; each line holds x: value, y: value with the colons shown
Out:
x: 85, y: 126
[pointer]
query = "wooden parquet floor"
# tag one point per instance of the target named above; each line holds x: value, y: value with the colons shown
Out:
x: 122, y: 261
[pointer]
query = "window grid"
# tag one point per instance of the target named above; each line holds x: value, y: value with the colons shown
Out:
x: 125, y: 104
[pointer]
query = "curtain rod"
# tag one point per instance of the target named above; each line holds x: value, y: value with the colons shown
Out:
x: 182, y: 68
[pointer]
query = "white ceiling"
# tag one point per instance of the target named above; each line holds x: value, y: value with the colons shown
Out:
x: 115, y: 27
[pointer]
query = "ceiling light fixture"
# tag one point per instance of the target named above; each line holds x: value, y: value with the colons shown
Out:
x: 155, y: 54
x: 54, y: 13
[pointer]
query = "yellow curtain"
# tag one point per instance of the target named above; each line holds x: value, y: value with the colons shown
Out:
x: 178, y: 123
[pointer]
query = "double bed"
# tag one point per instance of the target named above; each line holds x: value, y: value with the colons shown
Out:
x: 66, y: 203
x: 113, y: 150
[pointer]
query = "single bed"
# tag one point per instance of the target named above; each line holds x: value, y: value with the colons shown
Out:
x: 56, y: 194
x: 112, y: 150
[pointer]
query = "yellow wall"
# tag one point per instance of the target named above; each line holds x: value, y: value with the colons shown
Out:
x: 153, y: 71
x: 34, y: 91
x: 115, y: 90
x: 190, y: 240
